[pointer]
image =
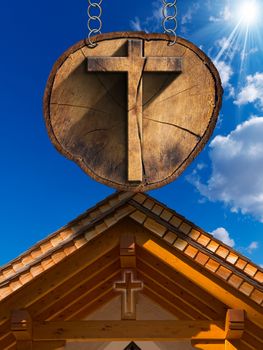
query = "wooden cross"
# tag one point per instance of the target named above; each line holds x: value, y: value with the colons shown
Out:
x: 128, y: 287
x: 135, y: 64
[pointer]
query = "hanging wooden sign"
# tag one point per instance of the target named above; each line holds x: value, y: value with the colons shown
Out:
x: 133, y: 112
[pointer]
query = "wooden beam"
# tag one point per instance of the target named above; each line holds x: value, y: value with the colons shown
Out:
x: 187, y: 310
x: 85, y: 292
x: 48, y: 281
x: 92, y: 307
x: 135, y: 168
x: 126, y: 330
x: 199, y: 276
x: 235, y: 324
x: 49, y: 301
x: 252, y: 341
x: 21, y: 327
x: 165, y: 304
x: 127, y: 251
x: 21, y: 324
x: 208, y: 345
x: 184, y: 296
x: 99, y: 297
x: 4, y: 330
x: 178, y: 279
x: 234, y: 327
x: 7, y: 341
x: 254, y: 331
x: 85, y: 299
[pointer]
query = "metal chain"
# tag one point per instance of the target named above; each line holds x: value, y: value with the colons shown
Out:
x: 94, y: 20
x: 170, y: 19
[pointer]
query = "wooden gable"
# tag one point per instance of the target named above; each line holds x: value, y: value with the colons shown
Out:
x: 215, y: 293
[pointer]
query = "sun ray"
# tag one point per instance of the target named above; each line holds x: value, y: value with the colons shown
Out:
x: 228, y: 42
x: 233, y: 47
x: 239, y: 40
x: 244, y: 50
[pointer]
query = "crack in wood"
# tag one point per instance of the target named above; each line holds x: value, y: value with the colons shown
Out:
x: 81, y: 50
x: 102, y: 129
x: 139, y: 127
x: 95, y: 130
x: 176, y: 94
x: 174, y: 125
x: 77, y: 106
x: 157, y: 92
x: 140, y: 79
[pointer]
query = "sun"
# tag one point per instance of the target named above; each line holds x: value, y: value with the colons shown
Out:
x: 248, y: 12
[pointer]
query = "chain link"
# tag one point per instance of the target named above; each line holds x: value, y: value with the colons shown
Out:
x: 170, y: 20
x: 94, y: 20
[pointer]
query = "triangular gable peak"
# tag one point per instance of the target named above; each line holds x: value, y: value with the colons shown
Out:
x: 132, y: 346
x: 184, y: 269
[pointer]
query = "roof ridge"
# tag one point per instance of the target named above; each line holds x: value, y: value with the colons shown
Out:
x: 191, y: 223
x: 188, y: 239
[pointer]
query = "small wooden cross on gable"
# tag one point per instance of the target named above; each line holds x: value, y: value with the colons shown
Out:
x: 128, y: 287
x: 135, y: 65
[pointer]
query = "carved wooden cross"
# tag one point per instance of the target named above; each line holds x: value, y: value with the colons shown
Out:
x: 135, y: 65
x: 128, y: 287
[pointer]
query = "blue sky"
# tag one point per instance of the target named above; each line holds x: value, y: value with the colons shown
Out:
x: 40, y: 191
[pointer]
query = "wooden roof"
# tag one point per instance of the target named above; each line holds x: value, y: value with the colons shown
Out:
x: 184, y: 269
x: 229, y: 265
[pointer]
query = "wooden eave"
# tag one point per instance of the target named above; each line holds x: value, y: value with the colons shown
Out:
x: 184, y: 269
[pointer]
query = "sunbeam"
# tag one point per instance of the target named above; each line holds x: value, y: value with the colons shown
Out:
x: 229, y: 42
x: 243, y: 54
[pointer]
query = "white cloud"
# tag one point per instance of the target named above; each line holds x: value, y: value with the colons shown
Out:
x: 201, y: 166
x: 253, y: 246
x: 224, y: 15
x: 136, y: 24
x: 227, y: 14
x: 226, y: 73
x: 222, y: 234
x: 226, y: 47
x: 156, y: 19
x: 150, y: 23
x: 223, y: 43
x: 252, y: 51
x: 187, y: 17
x: 252, y: 91
x: 237, y: 169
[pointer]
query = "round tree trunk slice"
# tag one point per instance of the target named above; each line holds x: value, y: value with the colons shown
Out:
x: 132, y: 131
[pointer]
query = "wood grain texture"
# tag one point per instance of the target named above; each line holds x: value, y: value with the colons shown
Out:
x: 126, y: 330
x: 235, y: 324
x: 136, y: 133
